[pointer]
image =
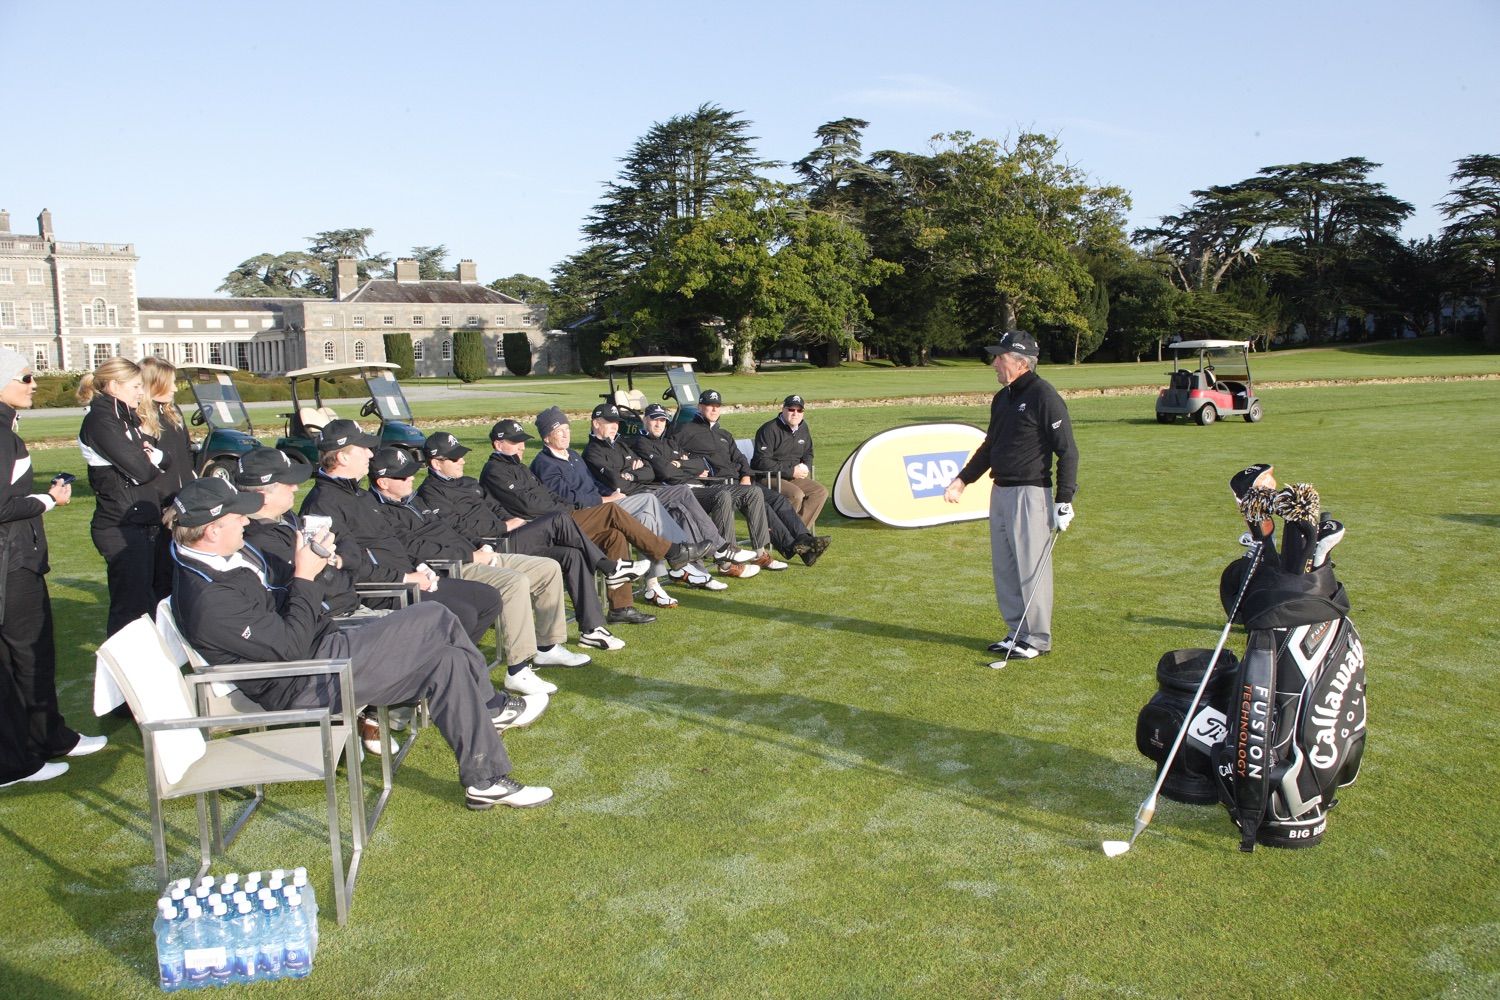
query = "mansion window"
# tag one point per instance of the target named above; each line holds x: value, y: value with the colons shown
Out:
x: 447, y: 350
x: 500, y: 350
x: 418, y: 351
x: 473, y: 321
x: 39, y: 317
x: 33, y: 276
x: 416, y: 319
x: 241, y: 353
x: 100, y: 313
x: 359, y: 350
x: 6, y: 277
x: 7, y: 314
x: 216, y: 353
x: 41, y: 358
x: 328, y: 350
x: 387, y: 321
x: 102, y: 352
x: 96, y: 276
x: 445, y: 321
x: 327, y: 320
x: 242, y: 324
x: 214, y: 324
x: 359, y: 321
x: 190, y: 354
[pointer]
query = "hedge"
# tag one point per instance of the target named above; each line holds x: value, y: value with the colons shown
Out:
x: 517, y: 353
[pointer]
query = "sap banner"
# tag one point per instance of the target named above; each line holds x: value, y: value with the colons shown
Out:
x: 897, y: 477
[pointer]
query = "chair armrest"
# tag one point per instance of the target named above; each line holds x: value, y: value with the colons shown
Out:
x: 447, y: 567
x: 245, y: 720
x: 405, y: 593
x: 229, y: 673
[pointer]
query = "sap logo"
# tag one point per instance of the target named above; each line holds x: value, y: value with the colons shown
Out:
x: 929, y: 475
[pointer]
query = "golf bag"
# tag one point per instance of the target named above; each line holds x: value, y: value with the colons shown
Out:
x: 1178, y: 674
x: 1295, y: 707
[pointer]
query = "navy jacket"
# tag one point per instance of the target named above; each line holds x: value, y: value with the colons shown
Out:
x: 567, y: 478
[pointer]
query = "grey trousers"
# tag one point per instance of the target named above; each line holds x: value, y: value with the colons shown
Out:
x: 1020, y: 523
x: 649, y: 510
x: 531, y: 602
x: 748, y: 501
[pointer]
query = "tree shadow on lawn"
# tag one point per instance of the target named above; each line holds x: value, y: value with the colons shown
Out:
x: 1022, y: 779
x: 895, y: 631
x: 1482, y: 520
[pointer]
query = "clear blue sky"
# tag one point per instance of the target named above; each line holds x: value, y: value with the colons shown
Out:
x: 207, y: 132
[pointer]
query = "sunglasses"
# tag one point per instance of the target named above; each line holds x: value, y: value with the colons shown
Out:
x: 26, y: 379
x: 794, y: 409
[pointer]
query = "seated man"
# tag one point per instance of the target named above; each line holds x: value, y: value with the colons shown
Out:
x: 366, y: 547
x: 530, y: 587
x: 704, y: 439
x: 461, y: 501
x: 519, y: 493
x: 230, y: 613
x: 784, y: 446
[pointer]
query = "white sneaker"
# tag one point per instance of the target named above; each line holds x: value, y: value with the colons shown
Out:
x: 626, y: 571
x: 560, y: 656
x: 519, y: 713
x: 601, y: 638
x: 526, y: 681
x: 46, y: 772
x: 506, y: 792
x: 87, y: 745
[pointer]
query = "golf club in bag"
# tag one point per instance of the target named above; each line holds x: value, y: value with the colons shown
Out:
x: 1143, y: 815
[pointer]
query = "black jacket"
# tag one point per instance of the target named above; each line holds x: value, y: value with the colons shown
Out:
x: 516, y: 489
x: 714, y: 445
x: 778, y: 448
x: 424, y: 534
x: 276, y: 541
x: 609, y: 462
x: 668, y: 464
x: 1028, y: 425
x: 23, y: 540
x: 232, y: 616
x: 122, y: 476
x: 365, y: 543
x: 463, y: 503
x: 173, y: 439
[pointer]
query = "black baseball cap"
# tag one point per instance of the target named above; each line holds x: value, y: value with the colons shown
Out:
x: 711, y: 398
x: 794, y: 403
x: 343, y: 433
x: 443, y: 445
x: 264, y: 466
x: 1016, y: 342
x: 607, y: 411
x: 656, y: 411
x: 1240, y: 482
x: 509, y: 430
x: 203, y: 501
x: 392, y: 463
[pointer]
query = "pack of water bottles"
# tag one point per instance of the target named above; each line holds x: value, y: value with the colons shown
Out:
x: 225, y: 931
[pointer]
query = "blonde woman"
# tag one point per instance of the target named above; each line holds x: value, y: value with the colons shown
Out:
x: 162, y: 423
x: 124, y: 465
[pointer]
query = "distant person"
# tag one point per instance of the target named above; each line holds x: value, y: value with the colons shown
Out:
x: 784, y: 446
x: 124, y: 466
x: 162, y: 423
x: 32, y: 730
x: 1028, y: 425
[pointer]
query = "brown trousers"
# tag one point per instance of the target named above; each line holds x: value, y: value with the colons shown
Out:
x: 807, y: 498
x: 615, y: 532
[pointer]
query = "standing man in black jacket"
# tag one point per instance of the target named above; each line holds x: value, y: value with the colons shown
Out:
x: 785, y: 446
x: 1028, y: 425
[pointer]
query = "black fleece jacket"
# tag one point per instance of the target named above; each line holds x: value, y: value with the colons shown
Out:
x: 122, y: 476
x: 1028, y: 425
x: 713, y: 444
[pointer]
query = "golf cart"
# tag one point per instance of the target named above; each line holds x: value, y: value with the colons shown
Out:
x: 1219, y: 387
x: 309, y: 415
x: 682, y: 388
x: 218, y: 407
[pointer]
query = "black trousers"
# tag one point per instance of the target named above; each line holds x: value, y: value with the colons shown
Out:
x: 476, y: 604
x: 34, y: 726
x: 129, y: 552
x: 786, y: 526
x: 557, y: 536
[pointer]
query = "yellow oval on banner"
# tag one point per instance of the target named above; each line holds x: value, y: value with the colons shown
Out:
x: 898, y: 476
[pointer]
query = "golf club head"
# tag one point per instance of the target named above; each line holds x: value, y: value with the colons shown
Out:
x: 1115, y: 848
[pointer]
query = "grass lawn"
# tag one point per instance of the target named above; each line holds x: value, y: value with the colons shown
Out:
x: 810, y: 785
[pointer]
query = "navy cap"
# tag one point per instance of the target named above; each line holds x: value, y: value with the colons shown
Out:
x: 203, y: 501
x: 343, y: 433
x: 607, y: 411
x: 443, y: 445
x: 711, y: 398
x: 392, y: 463
x: 794, y: 403
x: 1016, y: 342
x: 509, y: 430
x: 656, y: 411
x: 264, y: 466
x: 549, y: 420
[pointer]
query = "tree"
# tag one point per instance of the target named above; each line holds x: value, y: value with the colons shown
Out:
x: 1225, y: 226
x: 517, y: 353
x: 398, y: 351
x: 330, y: 245
x: 430, y: 261
x: 1473, y: 233
x: 281, y: 275
x: 1142, y: 313
x: 468, y: 356
x: 832, y: 170
x: 532, y: 291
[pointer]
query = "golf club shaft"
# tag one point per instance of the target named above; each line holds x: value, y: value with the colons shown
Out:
x: 1026, y: 606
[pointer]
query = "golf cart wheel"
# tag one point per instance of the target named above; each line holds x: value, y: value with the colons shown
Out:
x: 223, y: 469
x: 1166, y: 418
x: 1206, y: 415
x: 1253, y: 415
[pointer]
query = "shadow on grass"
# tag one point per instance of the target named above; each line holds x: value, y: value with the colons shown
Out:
x: 19, y: 984
x: 1039, y: 784
x: 889, y: 630
x: 1482, y: 520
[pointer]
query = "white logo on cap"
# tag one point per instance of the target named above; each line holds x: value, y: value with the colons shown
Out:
x: 267, y: 477
x: 215, y: 511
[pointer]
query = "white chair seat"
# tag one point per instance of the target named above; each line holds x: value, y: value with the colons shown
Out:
x: 264, y: 758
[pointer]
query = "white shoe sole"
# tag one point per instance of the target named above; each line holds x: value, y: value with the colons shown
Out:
x: 560, y: 656
x: 531, y: 685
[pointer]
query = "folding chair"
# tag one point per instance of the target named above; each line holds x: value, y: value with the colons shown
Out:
x: 281, y: 746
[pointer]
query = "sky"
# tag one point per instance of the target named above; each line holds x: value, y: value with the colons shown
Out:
x: 205, y: 133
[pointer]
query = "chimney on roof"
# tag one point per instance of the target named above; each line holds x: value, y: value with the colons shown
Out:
x: 44, y: 225
x: 467, y: 272
x: 4, y: 221
x: 345, y: 278
x: 407, y: 270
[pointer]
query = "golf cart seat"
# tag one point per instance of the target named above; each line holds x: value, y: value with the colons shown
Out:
x: 1182, y: 379
x: 630, y: 399
x: 315, y: 418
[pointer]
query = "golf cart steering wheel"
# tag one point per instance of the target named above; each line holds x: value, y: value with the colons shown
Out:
x: 368, y: 410
x: 669, y: 394
x: 196, y: 419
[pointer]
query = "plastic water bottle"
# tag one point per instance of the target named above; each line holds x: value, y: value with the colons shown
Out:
x: 299, y: 942
x: 230, y: 884
x: 198, y: 946
x: 269, y: 941
x: 221, y: 971
x: 309, y: 903
x: 169, y: 949
x: 245, y: 939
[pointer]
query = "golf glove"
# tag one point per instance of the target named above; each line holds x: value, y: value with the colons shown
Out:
x: 1062, y: 516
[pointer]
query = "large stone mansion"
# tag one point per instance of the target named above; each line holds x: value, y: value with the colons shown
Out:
x: 70, y: 305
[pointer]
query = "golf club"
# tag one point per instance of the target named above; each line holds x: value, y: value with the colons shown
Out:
x: 1115, y: 848
x: 1042, y: 562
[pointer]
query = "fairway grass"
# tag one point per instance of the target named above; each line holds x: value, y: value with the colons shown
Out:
x: 810, y: 785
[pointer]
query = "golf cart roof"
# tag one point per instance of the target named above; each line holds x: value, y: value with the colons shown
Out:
x: 329, y: 370
x: 653, y: 359
x: 1208, y: 345
x: 188, y: 366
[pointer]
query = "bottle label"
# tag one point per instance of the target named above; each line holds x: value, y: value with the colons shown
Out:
x: 200, y: 960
